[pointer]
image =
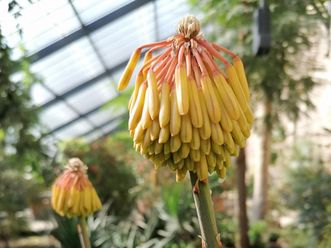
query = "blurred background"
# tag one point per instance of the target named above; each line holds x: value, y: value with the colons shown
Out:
x: 60, y: 62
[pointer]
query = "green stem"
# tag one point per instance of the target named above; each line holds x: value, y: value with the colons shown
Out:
x: 85, y: 241
x: 205, y: 211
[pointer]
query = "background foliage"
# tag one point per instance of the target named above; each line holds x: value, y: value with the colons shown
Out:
x: 22, y: 154
x: 308, y: 191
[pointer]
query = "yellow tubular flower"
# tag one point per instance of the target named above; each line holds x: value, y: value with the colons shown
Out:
x: 124, y: 81
x: 187, y: 112
x: 72, y: 192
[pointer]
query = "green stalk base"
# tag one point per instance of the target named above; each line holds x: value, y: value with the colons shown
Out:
x: 206, y: 215
x: 83, y: 233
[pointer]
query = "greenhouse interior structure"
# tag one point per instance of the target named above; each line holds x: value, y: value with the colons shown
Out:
x: 165, y: 124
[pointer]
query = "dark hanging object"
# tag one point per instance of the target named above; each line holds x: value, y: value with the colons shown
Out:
x: 262, y: 30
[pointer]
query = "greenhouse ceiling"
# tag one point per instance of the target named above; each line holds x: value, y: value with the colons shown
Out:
x: 78, y: 49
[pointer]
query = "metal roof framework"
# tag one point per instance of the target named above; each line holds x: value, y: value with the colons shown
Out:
x: 80, y: 69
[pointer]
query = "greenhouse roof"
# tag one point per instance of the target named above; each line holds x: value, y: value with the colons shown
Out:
x: 79, y: 50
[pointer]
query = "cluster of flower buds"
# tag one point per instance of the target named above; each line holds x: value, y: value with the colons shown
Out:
x: 187, y: 112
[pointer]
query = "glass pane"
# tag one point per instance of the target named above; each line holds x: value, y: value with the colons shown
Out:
x: 93, y: 96
x: 103, y: 115
x: 54, y: 20
x: 57, y: 115
x: 69, y: 66
x: 74, y: 130
x: 118, y: 73
x: 40, y: 95
x: 117, y: 40
x: 168, y: 16
x: 111, y: 126
x: 90, y: 10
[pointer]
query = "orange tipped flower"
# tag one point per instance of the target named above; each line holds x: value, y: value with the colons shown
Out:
x: 72, y: 193
x: 184, y: 102
x: 129, y: 70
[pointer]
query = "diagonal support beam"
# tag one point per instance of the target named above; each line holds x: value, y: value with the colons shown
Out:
x: 82, y: 86
x: 119, y: 117
x: 85, y: 84
x: 89, y: 28
x: 106, y: 134
x: 86, y: 114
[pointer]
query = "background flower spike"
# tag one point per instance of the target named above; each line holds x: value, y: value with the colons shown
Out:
x: 72, y: 192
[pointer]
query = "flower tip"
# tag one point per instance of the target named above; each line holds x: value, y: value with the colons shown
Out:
x: 189, y: 26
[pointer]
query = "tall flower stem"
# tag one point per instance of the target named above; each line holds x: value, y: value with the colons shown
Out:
x: 83, y: 233
x: 205, y: 211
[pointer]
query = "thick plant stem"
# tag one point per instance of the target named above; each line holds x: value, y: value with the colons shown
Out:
x: 205, y: 211
x: 241, y: 186
x: 83, y: 233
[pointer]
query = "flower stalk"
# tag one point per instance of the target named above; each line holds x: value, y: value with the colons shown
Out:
x: 83, y: 233
x: 205, y: 211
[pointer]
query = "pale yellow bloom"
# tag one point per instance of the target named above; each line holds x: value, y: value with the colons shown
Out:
x: 72, y: 192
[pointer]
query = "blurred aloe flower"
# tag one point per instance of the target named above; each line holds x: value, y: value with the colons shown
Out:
x: 72, y: 193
